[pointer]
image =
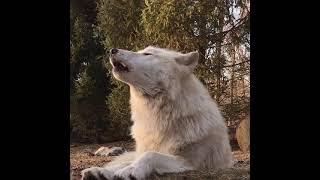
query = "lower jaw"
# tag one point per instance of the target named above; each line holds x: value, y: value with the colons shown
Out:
x: 117, y: 74
x: 118, y: 70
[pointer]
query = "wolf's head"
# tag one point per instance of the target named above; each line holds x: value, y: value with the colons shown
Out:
x: 152, y: 70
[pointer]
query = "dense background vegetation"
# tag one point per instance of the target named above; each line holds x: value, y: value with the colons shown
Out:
x: 218, y: 29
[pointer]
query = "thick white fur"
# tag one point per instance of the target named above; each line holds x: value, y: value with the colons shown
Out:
x: 177, y: 126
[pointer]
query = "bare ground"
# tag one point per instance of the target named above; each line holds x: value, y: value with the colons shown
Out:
x: 81, y: 157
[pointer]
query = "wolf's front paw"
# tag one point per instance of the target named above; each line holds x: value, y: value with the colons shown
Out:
x: 96, y: 173
x: 131, y: 173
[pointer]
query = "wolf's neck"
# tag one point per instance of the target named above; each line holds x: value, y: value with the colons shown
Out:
x: 181, y: 100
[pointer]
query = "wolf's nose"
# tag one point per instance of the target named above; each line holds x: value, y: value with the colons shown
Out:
x: 114, y: 51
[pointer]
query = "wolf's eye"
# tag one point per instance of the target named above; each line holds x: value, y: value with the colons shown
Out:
x: 147, y: 54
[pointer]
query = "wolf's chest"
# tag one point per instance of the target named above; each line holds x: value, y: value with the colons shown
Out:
x: 151, y: 139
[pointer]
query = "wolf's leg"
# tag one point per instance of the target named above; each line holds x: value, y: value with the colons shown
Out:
x: 107, y: 172
x: 150, y: 162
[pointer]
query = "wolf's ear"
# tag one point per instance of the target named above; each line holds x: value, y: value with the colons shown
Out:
x: 189, y: 59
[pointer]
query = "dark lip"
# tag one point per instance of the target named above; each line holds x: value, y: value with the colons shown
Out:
x: 119, y: 65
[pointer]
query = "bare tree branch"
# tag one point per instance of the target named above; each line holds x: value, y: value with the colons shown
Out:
x: 236, y: 64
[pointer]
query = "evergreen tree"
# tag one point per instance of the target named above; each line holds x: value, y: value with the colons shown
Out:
x: 90, y: 83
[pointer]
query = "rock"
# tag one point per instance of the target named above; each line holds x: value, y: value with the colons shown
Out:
x: 105, y: 151
x: 101, y: 151
x: 243, y: 135
x: 115, y: 151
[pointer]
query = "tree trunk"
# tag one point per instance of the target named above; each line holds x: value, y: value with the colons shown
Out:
x: 232, y: 76
x: 219, y: 56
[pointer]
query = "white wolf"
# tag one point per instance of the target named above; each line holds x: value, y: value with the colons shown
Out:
x: 176, y: 125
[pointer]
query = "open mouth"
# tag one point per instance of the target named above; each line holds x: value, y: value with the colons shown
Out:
x: 119, y: 66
